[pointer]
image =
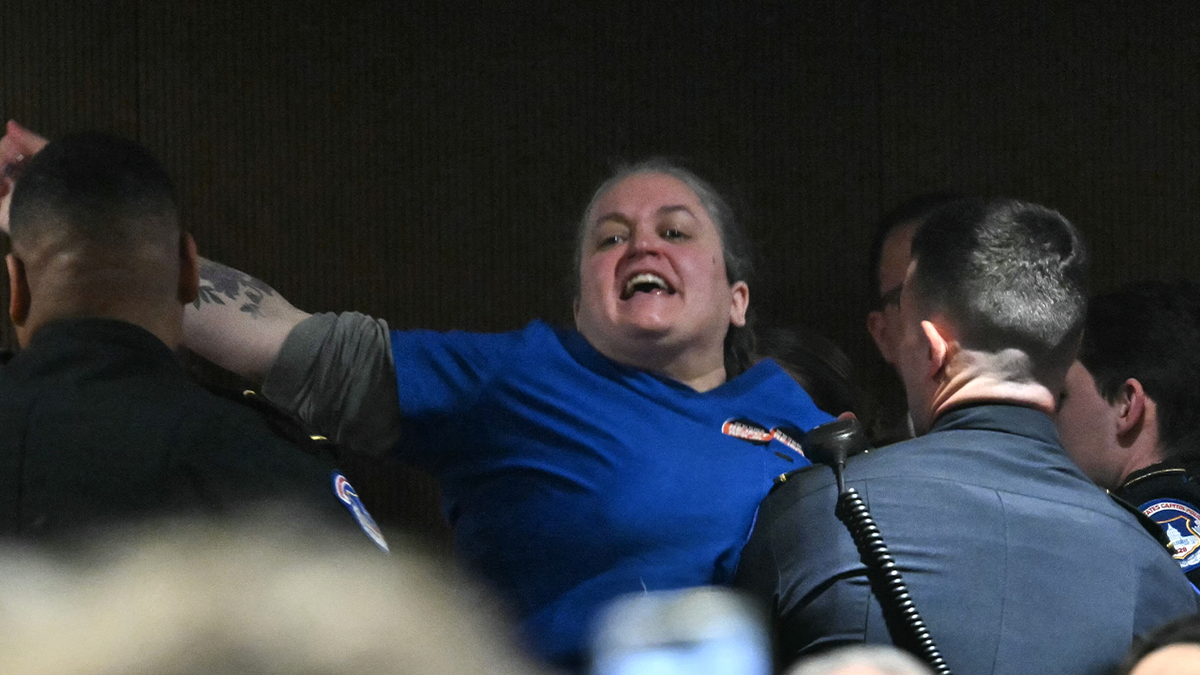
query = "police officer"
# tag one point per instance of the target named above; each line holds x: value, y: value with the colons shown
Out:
x: 1016, y: 561
x: 889, y: 421
x: 1128, y: 413
x: 97, y: 421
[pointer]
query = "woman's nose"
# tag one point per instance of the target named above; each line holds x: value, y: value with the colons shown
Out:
x: 642, y: 242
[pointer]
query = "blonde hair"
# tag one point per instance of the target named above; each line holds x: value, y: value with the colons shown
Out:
x: 862, y: 660
x: 255, y: 597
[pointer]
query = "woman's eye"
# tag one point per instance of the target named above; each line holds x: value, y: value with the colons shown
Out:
x: 672, y: 234
x: 611, y: 240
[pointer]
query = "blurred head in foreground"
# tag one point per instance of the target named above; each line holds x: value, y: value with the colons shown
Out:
x: 252, y: 597
x: 862, y: 660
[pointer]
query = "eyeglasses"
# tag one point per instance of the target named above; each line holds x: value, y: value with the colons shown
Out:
x: 892, y: 297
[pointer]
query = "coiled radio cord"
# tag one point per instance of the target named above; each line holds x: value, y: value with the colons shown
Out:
x: 832, y: 444
x: 889, y: 585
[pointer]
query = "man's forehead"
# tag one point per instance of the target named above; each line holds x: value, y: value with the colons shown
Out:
x: 1079, y: 370
x: 895, y: 254
x: 909, y: 300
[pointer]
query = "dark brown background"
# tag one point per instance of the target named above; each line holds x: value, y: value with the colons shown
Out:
x: 425, y: 161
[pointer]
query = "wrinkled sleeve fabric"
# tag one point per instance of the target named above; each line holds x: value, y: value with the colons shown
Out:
x: 336, y: 372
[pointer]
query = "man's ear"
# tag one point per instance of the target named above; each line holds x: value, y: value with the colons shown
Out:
x: 18, y: 290
x: 1130, y: 405
x: 939, y: 347
x: 741, y: 303
x: 876, y: 323
x: 189, y: 270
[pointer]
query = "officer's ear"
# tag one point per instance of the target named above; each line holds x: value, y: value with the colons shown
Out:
x: 939, y: 347
x: 189, y: 270
x: 18, y: 290
x: 1130, y: 404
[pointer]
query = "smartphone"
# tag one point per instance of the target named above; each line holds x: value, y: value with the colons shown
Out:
x: 697, y: 631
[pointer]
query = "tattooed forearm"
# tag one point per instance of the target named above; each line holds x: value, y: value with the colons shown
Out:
x: 237, y: 321
x: 220, y: 285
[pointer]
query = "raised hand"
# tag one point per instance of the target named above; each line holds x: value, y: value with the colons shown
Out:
x: 17, y: 146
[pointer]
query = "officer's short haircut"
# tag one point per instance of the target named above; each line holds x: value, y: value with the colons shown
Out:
x: 1151, y: 331
x: 1009, y: 275
x: 99, y: 189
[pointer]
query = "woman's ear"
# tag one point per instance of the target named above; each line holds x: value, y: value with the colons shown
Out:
x: 740, y: 304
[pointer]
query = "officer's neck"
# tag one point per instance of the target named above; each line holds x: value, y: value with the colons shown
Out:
x: 977, y: 377
x: 164, y: 321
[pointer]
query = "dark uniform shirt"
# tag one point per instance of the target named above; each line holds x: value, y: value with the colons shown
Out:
x: 1169, y: 493
x: 98, y: 423
x: 1018, y: 563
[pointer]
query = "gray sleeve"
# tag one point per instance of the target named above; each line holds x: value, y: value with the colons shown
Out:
x: 335, y: 371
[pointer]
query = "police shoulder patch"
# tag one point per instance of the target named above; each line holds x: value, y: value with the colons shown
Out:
x: 349, y: 498
x: 1181, y: 521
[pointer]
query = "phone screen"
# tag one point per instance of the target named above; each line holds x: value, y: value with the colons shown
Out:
x: 704, y: 631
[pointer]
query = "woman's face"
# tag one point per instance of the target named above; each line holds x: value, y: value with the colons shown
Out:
x: 653, y: 287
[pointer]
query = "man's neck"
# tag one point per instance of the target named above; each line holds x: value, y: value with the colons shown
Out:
x: 978, y: 380
x: 1027, y: 394
x: 165, y: 324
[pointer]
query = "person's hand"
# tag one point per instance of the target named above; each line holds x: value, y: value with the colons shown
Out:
x: 17, y: 146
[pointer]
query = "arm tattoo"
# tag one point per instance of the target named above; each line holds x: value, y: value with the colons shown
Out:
x: 219, y: 283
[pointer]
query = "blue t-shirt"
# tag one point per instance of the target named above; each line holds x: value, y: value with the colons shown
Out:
x: 570, y: 479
